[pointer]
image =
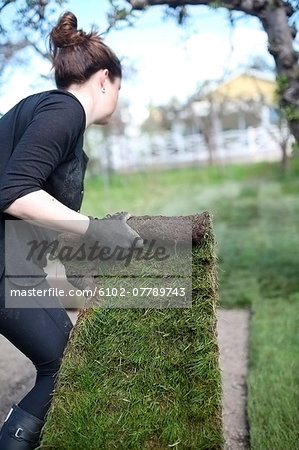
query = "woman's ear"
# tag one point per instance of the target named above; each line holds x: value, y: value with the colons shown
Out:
x: 102, y: 75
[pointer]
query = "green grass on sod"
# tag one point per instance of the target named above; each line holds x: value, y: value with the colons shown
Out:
x: 274, y: 404
x: 143, y: 378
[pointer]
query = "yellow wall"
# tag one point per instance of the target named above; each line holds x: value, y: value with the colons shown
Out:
x: 246, y: 87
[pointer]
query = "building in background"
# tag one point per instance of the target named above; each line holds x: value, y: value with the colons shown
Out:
x: 235, y: 120
x: 245, y: 100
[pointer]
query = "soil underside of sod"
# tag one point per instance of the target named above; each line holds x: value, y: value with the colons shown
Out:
x: 146, y: 377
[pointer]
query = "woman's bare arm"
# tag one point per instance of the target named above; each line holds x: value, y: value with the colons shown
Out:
x: 42, y: 209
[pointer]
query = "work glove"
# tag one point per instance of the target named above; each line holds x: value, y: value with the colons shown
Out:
x: 112, y: 231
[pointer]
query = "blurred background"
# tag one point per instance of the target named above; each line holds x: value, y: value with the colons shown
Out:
x: 208, y: 119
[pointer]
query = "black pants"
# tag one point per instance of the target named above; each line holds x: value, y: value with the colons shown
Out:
x: 41, y: 333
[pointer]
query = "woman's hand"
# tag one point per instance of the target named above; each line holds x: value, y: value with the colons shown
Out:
x: 113, y: 231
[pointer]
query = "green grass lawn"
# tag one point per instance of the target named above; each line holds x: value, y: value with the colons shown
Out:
x: 273, y: 397
x: 256, y: 222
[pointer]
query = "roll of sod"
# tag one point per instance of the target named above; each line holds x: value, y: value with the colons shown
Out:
x: 144, y: 378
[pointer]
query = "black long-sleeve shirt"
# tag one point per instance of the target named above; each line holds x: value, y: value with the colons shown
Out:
x: 41, y: 147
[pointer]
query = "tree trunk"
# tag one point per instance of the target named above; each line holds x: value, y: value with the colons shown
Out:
x: 207, y: 132
x: 280, y: 36
x: 285, y: 158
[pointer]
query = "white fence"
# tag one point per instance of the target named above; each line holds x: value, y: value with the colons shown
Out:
x: 168, y: 149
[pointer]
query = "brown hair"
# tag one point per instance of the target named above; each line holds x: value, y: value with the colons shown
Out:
x: 77, y: 55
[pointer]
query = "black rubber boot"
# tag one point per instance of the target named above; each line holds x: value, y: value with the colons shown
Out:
x: 20, y: 430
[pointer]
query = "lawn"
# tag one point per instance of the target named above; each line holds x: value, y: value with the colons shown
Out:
x: 256, y: 222
x: 273, y: 399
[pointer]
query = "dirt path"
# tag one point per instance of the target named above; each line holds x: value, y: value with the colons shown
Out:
x: 17, y: 374
x: 233, y: 334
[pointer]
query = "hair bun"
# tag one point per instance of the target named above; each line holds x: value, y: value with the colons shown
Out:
x: 76, y: 55
x: 65, y: 33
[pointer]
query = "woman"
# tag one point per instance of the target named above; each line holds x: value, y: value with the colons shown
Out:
x: 41, y: 179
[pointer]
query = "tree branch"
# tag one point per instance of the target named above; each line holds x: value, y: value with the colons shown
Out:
x: 252, y: 7
x: 8, y: 49
x: 5, y: 3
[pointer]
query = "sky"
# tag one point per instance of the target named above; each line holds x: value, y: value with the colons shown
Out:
x: 171, y: 61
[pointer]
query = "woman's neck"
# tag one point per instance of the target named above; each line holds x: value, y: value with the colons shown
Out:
x: 84, y: 95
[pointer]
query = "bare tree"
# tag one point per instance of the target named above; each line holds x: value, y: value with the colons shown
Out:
x: 276, y: 17
x: 31, y: 21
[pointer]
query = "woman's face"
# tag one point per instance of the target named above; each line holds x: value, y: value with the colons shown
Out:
x: 108, y: 100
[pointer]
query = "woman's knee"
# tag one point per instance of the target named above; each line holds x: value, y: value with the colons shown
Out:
x: 51, y: 366
x: 48, y: 368
x: 62, y: 322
